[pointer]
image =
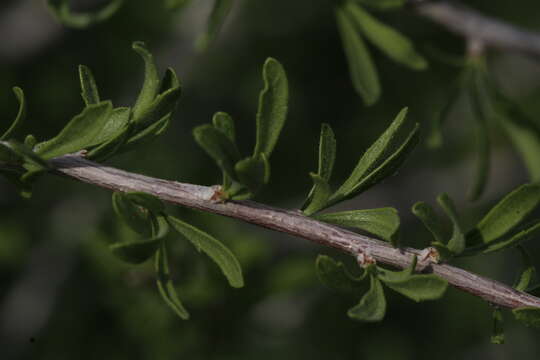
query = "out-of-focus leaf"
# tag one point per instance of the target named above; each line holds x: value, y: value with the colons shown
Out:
x: 151, y: 82
x: 530, y: 316
x: 527, y: 273
x: 21, y: 114
x: 272, y: 111
x: 215, y: 21
x: 89, y: 90
x: 253, y: 172
x: 456, y: 244
x: 62, y: 11
x: 363, y: 72
x: 334, y: 275
x: 82, y: 131
x: 145, y: 200
x: 497, y: 334
x: 435, y: 139
x: 506, y: 215
x: 388, y: 40
x: 12, y: 151
x: 372, y: 306
x: 138, y: 218
x: 218, y: 252
x: 176, y: 4
x: 373, y: 155
x: 23, y: 188
x: 219, y: 147
x: 382, y: 222
x: 382, y: 4
x: 165, y: 284
x: 319, y: 195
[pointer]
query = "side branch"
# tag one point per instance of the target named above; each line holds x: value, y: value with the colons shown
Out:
x: 471, y: 24
x: 286, y: 221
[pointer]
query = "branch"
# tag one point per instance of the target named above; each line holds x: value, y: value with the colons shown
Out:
x: 469, y: 23
x: 291, y: 222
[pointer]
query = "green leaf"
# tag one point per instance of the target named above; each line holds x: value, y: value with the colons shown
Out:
x: 113, y: 135
x: 136, y: 252
x: 272, y: 111
x: 431, y: 221
x: 456, y: 244
x: 145, y: 200
x: 334, y: 275
x: 382, y: 222
x: 319, y: 196
x: 165, y: 284
x: 528, y: 315
x: 497, y: 335
x: 507, y: 214
x: 163, y: 105
x: 327, y: 155
x: 383, y: 4
x: 397, y: 276
x: 219, y: 147
x: 224, y: 123
x: 527, y: 273
x: 81, y: 132
x: 218, y: 252
x: 23, y: 188
x: 528, y: 233
x: 139, y: 219
x: 390, y: 165
x: 373, y: 155
x: 388, y: 40
x: 21, y: 114
x: 175, y: 4
x: 435, y: 137
x: 363, y: 72
x: 14, y: 152
x: 89, y: 90
x: 419, y: 287
x: 372, y: 306
x: 215, y: 21
x: 62, y: 11
x: 253, y: 172
x: 151, y: 82
x: 148, y: 134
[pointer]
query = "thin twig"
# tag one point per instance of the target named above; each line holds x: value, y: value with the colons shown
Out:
x: 471, y: 24
x: 286, y: 221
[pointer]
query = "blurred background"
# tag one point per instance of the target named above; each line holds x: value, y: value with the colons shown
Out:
x: 64, y: 296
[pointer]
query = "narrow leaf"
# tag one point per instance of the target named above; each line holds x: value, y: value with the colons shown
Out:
x: 21, y: 114
x: 373, y: 155
x: 420, y: 287
x: 15, y: 152
x: 382, y: 222
x: 431, y: 221
x: 372, y: 306
x: 62, y: 11
x: 218, y: 252
x: 497, y: 335
x: 165, y: 284
x: 151, y: 82
x: 530, y: 316
x: 163, y: 105
x: 527, y: 273
x: 383, y: 4
x: 219, y: 147
x: 215, y: 21
x: 397, y: 276
x: 531, y: 232
x: 147, y: 135
x: 334, y: 275
x: 507, y: 214
x: 80, y: 133
x: 319, y: 195
x: 272, y: 111
x: 456, y: 244
x: 388, y: 40
x: 89, y: 90
x: 253, y: 172
x: 363, y: 72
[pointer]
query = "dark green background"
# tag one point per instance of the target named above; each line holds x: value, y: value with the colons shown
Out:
x: 64, y: 296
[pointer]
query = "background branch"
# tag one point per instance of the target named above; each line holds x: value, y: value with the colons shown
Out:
x: 287, y: 221
x: 469, y: 23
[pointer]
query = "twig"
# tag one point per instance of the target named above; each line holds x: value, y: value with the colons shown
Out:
x: 286, y: 221
x: 471, y: 24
